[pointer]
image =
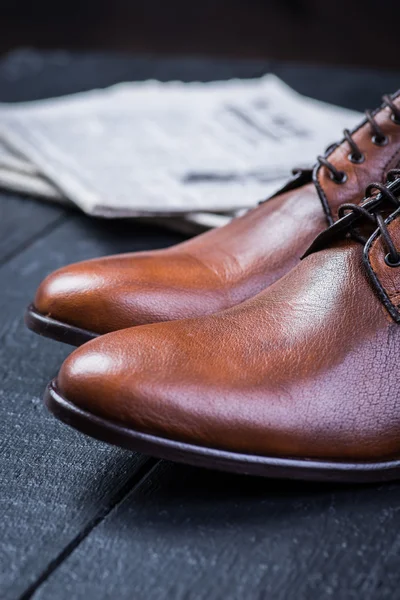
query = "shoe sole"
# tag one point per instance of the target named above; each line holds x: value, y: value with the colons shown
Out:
x: 56, y: 330
x: 213, y: 458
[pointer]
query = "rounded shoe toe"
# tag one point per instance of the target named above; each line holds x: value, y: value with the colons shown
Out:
x: 65, y: 294
x: 87, y: 379
x: 108, y: 377
x: 90, y: 295
x: 135, y: 378
x: 117, y: 292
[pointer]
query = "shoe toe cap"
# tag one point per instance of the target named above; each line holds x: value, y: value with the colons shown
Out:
x: 113, y: 293
x: 135, y: 377
x: 62, y: 296
x: 86, y: 295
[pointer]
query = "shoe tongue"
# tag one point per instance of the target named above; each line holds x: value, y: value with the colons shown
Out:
x: 351, y: 221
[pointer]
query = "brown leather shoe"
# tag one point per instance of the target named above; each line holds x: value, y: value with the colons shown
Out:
x: 224, y: 267
x: 300, y: 381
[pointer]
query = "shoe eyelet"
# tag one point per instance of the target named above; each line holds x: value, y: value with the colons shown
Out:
x: 379, y: 140
x: 341, y: 180
x: 357, y: 160
x: 390, y: 263
x: 394, y: 119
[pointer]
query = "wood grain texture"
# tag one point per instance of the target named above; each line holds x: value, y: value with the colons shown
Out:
x: 54, y: 482
x: 186, y: 534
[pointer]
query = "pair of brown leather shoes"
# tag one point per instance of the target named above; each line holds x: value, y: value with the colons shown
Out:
x: 228, y: 351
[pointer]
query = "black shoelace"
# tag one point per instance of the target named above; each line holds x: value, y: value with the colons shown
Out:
x: 374, y: 216
x: 356, y: 156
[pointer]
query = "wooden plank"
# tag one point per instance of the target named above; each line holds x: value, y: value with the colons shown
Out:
x: 55, y: 484
x: 22, y: 220
x: 188, y: 533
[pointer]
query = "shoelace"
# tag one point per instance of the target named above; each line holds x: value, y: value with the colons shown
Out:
x: 356, y: 156
x: 375, y: 209
x: 374, y: 216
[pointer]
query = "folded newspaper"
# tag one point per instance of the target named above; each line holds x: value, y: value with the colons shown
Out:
x: 188, y: 154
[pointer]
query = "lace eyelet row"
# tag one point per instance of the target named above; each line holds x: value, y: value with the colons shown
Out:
x: 359, y: 159
x: 356, y: 156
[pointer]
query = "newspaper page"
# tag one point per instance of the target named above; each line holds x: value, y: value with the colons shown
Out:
x: 168, y: 149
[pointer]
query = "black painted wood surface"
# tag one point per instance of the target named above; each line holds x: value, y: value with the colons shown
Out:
x: 80, y: 519
x: 55, y: 483
x: 187, y: 533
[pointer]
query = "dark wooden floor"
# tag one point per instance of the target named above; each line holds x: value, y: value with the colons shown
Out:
x: 82, y: 520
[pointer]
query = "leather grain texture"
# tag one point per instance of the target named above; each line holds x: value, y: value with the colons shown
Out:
x: 307, y: 368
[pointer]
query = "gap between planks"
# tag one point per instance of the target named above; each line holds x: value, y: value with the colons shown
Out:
x: 42, y: 233
x: 144, y: 471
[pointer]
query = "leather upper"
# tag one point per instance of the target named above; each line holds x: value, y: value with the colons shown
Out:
x: 220, y: 268
x: 208, y: 273
x: 306, y: 368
